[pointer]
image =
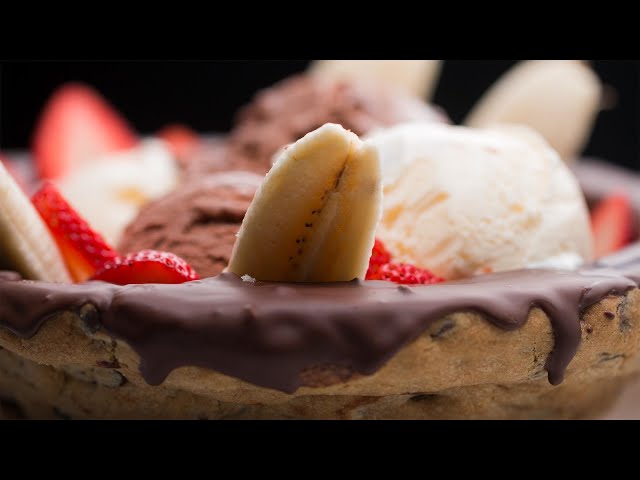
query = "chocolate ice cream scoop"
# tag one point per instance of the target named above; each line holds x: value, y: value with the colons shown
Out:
x: 287, y: 111
x: 197, y: 222
x: 281, y: 114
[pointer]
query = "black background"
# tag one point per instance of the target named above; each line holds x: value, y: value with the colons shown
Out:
x: 205, y: 95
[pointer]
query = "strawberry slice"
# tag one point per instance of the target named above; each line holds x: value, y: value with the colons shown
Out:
x: 83, y: 250
x: 611, y: 224
x: 382, y: 268
x: 181, y: 139
x: 405, y: 274
x: 379, y: 256
x: 77, y: 126
x: 146, y: 266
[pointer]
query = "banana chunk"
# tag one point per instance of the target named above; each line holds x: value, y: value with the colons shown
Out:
x: 25, y: 242
x: 416, y: 77
x: 558, y: 98
x: 314, y: 217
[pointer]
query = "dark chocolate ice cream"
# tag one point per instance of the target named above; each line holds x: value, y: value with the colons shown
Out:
x: 281, y: 114
x: 290, y: 109
x: 197, y: 222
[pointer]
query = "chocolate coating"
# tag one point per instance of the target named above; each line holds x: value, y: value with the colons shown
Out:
x: 197, y: 222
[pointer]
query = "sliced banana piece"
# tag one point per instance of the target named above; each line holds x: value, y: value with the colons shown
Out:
x: 26, y: 245
x: 313, y: 219
x: 558, y: 98
x: 418, y: 77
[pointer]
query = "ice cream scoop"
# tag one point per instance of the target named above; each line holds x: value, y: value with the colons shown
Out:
x: 463, y: 201
x: 283, y: 113
x: 198, y: 221
x: 109, y: 191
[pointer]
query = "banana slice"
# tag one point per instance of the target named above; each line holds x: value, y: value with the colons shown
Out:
x: 313, y: 219
x: 418, y: 77
x: 558, y: 98
x: 25, y: 242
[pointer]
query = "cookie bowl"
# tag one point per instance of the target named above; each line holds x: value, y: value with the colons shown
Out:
x: 526, y: 344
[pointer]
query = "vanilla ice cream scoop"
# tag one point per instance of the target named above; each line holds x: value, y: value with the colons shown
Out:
x: 108, y: 192
x: 462, y: 201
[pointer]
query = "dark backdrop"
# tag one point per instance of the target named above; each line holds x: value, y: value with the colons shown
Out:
x: 205, y: 95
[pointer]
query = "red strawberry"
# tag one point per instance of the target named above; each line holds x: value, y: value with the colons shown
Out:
x: 612, y: 224
x: 381, y: 268
x: 83, y: 250
x: 76, y: 126
x: 146, y: 266
x: 379, y: 256
x: 181, y: 139
x: 405, y: 274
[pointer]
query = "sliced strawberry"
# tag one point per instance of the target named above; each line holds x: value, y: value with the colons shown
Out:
x: 612, y: 224
x: 83, y: 250
x: 379, y: 256
x: 382, y: 268
x: 404, y: 274
x: 181, y: 139
x: 77, y: 126
x: 146, y: 266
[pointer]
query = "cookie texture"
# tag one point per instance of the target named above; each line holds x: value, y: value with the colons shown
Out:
x: 460, y: 367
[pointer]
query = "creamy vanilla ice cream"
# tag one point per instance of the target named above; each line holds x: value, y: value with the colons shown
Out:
x: 109, y: 191
x: 462, y: 201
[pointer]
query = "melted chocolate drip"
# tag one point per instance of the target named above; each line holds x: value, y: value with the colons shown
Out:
x: 267, y: 333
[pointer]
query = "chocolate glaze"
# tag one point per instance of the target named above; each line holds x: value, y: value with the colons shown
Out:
x: 268, y: 333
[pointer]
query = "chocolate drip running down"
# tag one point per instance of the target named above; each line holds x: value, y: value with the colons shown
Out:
x: 267, y: 333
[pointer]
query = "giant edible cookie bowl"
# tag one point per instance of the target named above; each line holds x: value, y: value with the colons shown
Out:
x: 540, y: 342
x: 462, y: 350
